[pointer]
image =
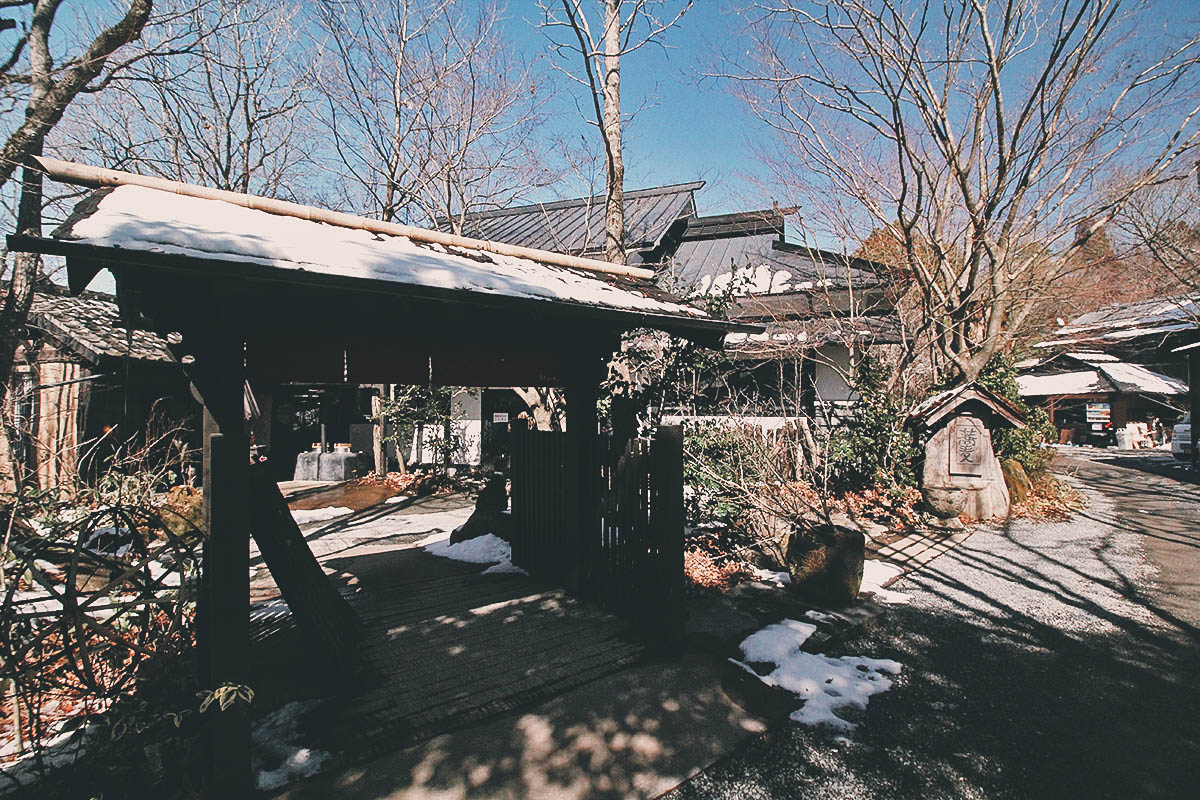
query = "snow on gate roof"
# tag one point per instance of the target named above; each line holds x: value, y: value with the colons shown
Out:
x: 137, y: 218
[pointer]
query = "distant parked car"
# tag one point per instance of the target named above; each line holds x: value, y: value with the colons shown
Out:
x: 1181, y: 439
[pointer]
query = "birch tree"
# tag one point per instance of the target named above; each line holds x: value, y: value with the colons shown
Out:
x: 431, y: 112
x: 592, y: 37
x: 980, y: 135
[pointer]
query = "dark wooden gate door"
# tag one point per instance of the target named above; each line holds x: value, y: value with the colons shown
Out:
x: 631, y: 558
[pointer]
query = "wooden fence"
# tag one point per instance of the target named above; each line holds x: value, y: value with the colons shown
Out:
x: 630, y: 557
x: 544, y: 499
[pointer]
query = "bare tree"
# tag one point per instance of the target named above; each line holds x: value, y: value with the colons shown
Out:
x: 594, y: 37
x: 48, y: 81
x: 227, y: 113
x: 430, y: 111
x: 1158, y: 230
x: 979, y: 136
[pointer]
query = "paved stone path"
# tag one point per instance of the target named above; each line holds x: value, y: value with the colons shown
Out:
x: 918, y: 549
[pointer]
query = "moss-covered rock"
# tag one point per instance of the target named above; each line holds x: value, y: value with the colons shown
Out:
x: 1016, y: 479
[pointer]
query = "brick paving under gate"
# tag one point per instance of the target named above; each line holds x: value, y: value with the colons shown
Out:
x: 446, y: 647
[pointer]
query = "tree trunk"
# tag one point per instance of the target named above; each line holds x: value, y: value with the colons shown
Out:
x: 614, y: 201
x: 377, y: 434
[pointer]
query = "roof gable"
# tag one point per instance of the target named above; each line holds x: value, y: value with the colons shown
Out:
x: 749, y: 248
x: 934, y: 409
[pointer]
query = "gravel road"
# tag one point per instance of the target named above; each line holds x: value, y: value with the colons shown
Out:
x: 1040, y: 661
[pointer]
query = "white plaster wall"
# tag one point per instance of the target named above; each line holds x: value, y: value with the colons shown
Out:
x: 466, y: 414
x: 830, y: 378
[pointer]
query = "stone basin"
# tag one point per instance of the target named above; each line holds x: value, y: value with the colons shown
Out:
x: 945, y: 503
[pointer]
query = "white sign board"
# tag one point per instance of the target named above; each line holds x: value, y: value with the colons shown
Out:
x: 500, y: 416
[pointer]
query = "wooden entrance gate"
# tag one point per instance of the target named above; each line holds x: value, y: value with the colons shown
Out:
x: 629, y: 557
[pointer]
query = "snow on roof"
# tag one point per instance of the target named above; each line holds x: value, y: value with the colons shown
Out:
x: 150, y: 220
x: 1079, y: 382
x: 1136, y: 378
x: 1108, y: 375
x: 1130, y: 321
x: 1093, y: 357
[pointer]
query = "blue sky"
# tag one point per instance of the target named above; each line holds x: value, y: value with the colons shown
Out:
x: 694, y: 128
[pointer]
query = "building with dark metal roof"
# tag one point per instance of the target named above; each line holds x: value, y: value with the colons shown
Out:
x: 818, y: 307
x: 577, y: 226
x: 710, y: 249
x: 1145, y: 332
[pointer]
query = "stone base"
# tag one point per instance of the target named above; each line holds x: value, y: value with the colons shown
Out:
x: 944, y: 524
x: 314, y: 466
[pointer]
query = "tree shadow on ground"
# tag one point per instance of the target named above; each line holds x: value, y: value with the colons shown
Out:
x: 1044, y: 689
x: 501, y: 685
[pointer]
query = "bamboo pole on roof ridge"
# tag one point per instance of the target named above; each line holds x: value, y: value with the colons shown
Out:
x: 87, y: 175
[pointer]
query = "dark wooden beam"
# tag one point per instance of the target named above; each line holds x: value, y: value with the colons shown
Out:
x: 583, y: 436
x: 218, y: 376
x: 262, y: 282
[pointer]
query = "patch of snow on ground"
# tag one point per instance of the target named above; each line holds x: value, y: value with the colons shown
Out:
x: 305, y: 516
x: 277, y: 759
x: 400, y: 498
x: 771, y: 576
x: 877, y: 573
x: 486, y: 549
x: 827, y: 685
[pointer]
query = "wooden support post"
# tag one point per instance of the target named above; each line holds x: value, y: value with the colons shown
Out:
x: 219, y: 377
x: 1194, y: 397
x: 666, y: 508
x: 582, y: 430
x: 583, y: 441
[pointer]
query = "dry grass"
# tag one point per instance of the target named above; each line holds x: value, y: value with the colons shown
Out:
x: 1051, y: 499
x: 706, y: 574
x: 896, y: 509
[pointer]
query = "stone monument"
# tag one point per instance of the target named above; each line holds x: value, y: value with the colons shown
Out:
x: 961, y: 474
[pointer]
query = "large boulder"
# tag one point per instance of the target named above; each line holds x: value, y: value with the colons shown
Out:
x: 490, y: 515
x: 826, y: 561
x: 1016, y: 479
